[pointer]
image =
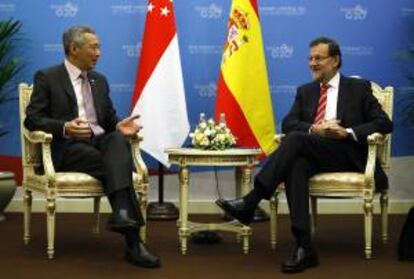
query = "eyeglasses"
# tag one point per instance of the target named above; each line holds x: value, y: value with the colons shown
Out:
x: 317, y: 59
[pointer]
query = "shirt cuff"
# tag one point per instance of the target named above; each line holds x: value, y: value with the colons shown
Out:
x: 352, y: 133
x: 310, y: 130
x: 64, y: 130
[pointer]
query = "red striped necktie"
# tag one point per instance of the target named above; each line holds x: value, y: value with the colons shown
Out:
x: 320, y: 113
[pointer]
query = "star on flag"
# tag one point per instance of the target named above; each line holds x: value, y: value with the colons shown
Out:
x: 159, y: 93
x: 165, y: 11
x: 150, y: 7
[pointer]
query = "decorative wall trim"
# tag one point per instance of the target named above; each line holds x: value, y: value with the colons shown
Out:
x: 326, y: 206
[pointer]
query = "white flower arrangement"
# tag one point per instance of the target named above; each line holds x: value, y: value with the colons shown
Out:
x: 210, y: 136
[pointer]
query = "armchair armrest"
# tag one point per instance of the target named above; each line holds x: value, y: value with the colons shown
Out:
x: 373, y: 140
x: 136, y: 155
x: 377, y: 138
x: 278, y: 138
x: 38, y: 136
x: 45, y: 139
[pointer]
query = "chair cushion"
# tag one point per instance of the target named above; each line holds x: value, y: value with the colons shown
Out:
x: 337, y: 182
x: 75, y: 183
x: 67, y: 180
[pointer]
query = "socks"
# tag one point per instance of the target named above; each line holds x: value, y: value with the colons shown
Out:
x: 132, y: 239
x: 124, y: 200
x: 253, y: 198
x: 118, y: 200
x: 303, y: 238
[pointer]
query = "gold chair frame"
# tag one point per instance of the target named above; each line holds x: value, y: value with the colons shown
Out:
x: 39, y: 175
x: 351, y: 184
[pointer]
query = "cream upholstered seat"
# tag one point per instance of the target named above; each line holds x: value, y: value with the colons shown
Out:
x: 352, y: 184
x: 39, y: 175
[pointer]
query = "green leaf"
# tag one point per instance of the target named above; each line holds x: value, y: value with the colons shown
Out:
x: 10, y: 63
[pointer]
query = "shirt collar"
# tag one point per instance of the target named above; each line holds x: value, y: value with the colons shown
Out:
x: 74, y: 72
x: 334, y: 82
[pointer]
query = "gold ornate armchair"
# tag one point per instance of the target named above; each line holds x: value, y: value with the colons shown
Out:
x: 352, y: 184
x: 39, y: 175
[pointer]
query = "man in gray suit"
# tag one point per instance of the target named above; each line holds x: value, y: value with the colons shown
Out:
x: 71, y: 101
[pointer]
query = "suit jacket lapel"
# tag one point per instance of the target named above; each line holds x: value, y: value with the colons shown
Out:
x: 314, y: 99
x: 342, y: 97
x: 95, y: 95
x: 68, y: 87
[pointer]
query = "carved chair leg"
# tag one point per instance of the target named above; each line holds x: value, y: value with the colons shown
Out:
x: 238, y: 237
x: 368, y: 208
x: 27, y: 204
x: 384, y: 216
x: 273, y: 203
x: 246, y: 232
x: 184, y: 230
x: 314, y: 214
x: 51, y: 212
x: 96, y: 209
x: 143, y: 202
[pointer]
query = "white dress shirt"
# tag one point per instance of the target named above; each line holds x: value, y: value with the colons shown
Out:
x: 332, y: 98
x: 332, y: 102
x: 76, y: 81
x: 74, y: 76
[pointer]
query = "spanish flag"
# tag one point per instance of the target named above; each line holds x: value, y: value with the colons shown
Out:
x: 243, y: 92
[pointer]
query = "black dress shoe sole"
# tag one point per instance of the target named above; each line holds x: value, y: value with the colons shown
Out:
x: 226, y: 208
x: 300, y: 268
x: 142, y: 263
x: 123, y: 229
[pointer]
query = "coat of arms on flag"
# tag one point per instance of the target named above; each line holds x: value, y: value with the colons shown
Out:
x: 243, y: 92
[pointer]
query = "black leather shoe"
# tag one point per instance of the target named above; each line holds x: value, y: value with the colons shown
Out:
x: 238, y: 209
x: 120, y: 222
x: 140, y: 256
x: 301, y: 260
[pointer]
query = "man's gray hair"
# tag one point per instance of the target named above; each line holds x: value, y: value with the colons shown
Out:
x: 75, y: 34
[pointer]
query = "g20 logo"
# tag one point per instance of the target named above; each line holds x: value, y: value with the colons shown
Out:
x: 206, y: 90
x: 67, y: 10
x: 212, y: 11
x: 283, y: 51
x: 355, y: 13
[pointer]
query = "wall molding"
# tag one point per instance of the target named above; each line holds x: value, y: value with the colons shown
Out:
x: 325, y: 206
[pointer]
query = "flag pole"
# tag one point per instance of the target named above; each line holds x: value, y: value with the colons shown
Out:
x: 161, y: 210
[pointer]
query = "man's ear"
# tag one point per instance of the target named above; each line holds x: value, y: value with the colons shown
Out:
x: 73, y: 49
x: 336, y: 58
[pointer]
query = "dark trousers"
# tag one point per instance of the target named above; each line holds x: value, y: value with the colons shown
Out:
x: 107, y: 158
x: 298, y: 157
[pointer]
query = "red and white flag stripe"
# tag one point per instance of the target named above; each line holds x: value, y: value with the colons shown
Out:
x: 159, y: 95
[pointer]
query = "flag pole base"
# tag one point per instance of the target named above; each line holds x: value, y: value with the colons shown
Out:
x: 162, y: 211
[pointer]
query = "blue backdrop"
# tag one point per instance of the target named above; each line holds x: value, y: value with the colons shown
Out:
x: 372, y: 34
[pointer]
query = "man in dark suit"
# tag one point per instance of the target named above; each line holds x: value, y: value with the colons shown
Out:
x: 326, y: 131
x: 71, y: 101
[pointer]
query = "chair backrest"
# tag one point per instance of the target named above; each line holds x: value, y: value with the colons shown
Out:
x: 31, y: 153
x: 385, y: 97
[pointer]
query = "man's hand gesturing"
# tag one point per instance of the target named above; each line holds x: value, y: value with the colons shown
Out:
x: 128, y: 127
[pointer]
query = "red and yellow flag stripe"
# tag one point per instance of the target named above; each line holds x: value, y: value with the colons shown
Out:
x: 243, y: 92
